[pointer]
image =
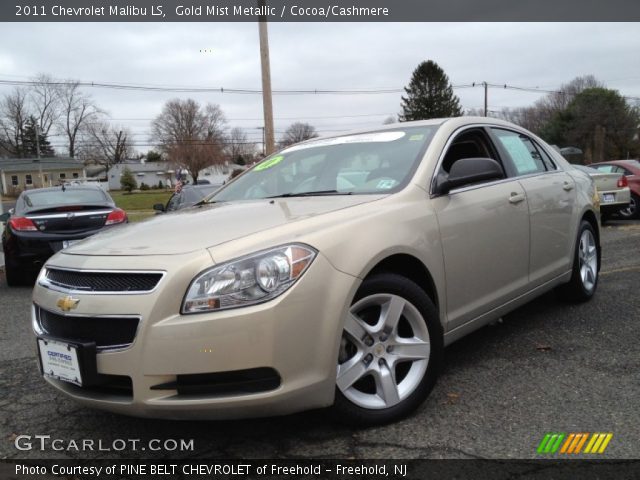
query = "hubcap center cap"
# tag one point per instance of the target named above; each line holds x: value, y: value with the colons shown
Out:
x: 379, y: 350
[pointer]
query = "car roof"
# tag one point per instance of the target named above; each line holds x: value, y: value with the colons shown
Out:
x: 454, y: 121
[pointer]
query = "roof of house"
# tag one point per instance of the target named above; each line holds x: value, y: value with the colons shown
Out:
x: 34, y: 164
x: 142, y: 167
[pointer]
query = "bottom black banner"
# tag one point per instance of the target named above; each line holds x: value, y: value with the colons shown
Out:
x: 319, y: 469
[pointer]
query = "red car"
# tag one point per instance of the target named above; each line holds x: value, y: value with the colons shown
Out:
x: 631, y: 170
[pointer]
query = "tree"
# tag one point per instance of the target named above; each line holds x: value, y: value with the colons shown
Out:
x: 106, y: 145
x: 44, y: 96
x: 599, y: 121
x: 297, y: 132
x: 239, y: 148
x: 128, y: 181
x: 153, y: 156
x: 33, y: 146
x: 429, y: 95
x: 537, y: 116
x: 13, y: 117
x: 191, y: 135
x: 389, y: 120
x: 77, y: 110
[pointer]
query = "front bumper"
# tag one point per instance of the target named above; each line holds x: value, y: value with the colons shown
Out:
x: 296, y: 335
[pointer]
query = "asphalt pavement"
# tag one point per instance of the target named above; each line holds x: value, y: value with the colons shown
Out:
x: 550, y: 366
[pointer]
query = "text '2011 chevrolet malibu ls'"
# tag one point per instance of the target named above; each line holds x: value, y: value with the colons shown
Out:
x: 333, y: 272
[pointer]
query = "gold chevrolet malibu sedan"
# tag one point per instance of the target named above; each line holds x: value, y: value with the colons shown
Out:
x: 333, y: 272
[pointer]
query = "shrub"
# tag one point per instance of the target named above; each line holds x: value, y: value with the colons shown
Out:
x: 128, y: 181
x: 144, y: 186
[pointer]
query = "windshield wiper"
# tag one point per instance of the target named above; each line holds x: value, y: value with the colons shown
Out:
x: 310, y: 194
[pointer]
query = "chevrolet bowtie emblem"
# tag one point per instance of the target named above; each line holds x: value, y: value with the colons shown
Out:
x: 67, y: 303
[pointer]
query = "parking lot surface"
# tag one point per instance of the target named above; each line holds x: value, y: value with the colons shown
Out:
x: 550, y: 366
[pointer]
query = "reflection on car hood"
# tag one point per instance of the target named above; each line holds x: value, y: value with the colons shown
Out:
x: 210, y: 225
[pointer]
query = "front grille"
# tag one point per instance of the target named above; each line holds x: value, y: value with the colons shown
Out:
x: 103, y: 281
x: 106, y: 332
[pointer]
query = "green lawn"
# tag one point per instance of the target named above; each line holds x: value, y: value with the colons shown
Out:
x: 141, y: 200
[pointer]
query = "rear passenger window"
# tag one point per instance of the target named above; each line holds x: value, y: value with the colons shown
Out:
x: 526, y: 158
x: 546, y: 158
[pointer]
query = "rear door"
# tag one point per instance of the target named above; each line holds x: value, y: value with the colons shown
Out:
x: 551, y: 200
x: 484, y: 229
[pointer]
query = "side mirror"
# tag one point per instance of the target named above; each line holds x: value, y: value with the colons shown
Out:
x: 4, y: 217
x: 159, y: 207
x: 467, y: 171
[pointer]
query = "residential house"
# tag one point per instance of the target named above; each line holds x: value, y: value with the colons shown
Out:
x: 19, y: 174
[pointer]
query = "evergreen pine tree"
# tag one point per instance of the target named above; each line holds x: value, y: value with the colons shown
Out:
x: 30, y: 146
x: 128, y: 181
x: 429, y: 95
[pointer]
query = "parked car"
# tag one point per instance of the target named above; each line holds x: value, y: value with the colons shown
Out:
x: 47, y: 220
x: 631, y: 171
x: 613, y: 190
x: 301, y: 285
x: 188, y: 196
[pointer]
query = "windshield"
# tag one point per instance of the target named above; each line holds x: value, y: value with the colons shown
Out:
x: 377, y: 162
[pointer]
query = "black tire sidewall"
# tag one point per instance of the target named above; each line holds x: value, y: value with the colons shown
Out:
x: 397, y: 285
x: 576, y: 284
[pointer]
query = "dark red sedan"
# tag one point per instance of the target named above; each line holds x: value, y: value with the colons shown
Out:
x: 631, y: 171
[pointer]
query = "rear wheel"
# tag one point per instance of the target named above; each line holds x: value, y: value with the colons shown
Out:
x: 586, y: 260
x: 389, y: 352
x: 633, y: 210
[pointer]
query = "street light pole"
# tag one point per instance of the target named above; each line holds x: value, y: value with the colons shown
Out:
x: 267, y: 103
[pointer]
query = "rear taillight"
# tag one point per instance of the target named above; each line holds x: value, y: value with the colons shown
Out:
x: 622, y: 182
x: 116, y: 216
x: 22, y: 224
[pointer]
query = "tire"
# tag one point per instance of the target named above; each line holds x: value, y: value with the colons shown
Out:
x: 633, y: 210
x: 586, y: 264
x: 390, y: 352
x: 13, y: 276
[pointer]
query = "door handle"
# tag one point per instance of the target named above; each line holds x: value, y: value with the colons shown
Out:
x: 567, y: 186
x: 516, y: 197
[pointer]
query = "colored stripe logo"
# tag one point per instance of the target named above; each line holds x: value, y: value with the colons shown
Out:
x: 573, y: 443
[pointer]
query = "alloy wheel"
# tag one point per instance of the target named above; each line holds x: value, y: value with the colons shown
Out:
x: 588, y: 258
x: 384, y: 352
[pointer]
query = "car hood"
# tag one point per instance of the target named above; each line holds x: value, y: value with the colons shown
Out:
x: 206, y: 226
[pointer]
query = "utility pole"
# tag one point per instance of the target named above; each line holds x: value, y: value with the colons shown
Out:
x: 267, y: 103
x: 486, y: 98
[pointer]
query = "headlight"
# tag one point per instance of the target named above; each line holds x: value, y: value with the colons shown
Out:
x: 249, y: 280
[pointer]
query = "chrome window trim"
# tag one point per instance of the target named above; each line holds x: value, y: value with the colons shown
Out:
x: 39, y: 330
x: 46, y: 283
x: 65, y: 215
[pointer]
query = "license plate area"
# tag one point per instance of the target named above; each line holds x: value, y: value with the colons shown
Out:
x: 608, y: 198
x: 68, y: 361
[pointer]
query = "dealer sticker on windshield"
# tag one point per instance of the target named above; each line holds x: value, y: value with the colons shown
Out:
x: 60, y: 361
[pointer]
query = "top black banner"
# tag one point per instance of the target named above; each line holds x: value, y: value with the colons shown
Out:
x: 320, y: 11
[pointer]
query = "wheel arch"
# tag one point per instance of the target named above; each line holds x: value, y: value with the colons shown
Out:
x: 591, y: 217
x: 412, y: 268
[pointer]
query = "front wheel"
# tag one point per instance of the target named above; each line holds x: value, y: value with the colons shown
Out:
x: 586, y: 263
x: 390, y: 351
